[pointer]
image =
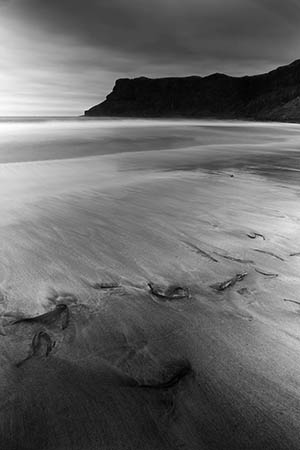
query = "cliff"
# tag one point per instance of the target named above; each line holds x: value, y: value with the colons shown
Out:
x: 271, y: 96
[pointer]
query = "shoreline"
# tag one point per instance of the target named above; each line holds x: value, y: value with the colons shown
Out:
x: 161, y: 324
x: 113, y: 345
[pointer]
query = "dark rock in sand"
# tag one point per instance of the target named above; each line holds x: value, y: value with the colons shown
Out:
x: 255, y: 235
x: 41, y: 346
x: 269, y: 253
x: 291, y: 301
x: 267, y: 274
x: 50, y: 318
x: 105, y: 286
x: 229, y: 283
x: 239, y: 260
x: 169, y: 293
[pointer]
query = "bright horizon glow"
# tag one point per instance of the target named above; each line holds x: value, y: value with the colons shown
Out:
x: 36, y: 77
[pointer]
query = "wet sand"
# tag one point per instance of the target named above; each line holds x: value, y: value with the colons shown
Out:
x: 92, y: 356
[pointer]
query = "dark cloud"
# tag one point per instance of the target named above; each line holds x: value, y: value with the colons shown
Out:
x: 173, y: 30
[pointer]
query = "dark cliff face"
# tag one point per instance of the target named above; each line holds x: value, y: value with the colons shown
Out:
x: 271, y: 96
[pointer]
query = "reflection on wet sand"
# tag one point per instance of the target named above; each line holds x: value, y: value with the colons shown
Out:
x: 149, y: 298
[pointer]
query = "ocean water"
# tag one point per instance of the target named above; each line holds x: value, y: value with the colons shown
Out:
x: 38, y: 139
x: 47, y: 157
x: 269, y: 148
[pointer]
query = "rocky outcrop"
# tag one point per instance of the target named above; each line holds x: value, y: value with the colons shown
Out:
x: 271, y: 96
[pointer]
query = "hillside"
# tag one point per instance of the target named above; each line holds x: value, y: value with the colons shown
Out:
x: 270, y: 96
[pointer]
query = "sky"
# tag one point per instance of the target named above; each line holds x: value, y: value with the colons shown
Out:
x: 60, y: 57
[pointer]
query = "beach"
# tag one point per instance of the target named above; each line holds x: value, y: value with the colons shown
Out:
x: 149, y: 285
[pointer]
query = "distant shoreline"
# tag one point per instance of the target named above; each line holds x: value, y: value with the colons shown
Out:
x: 179, y: 119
